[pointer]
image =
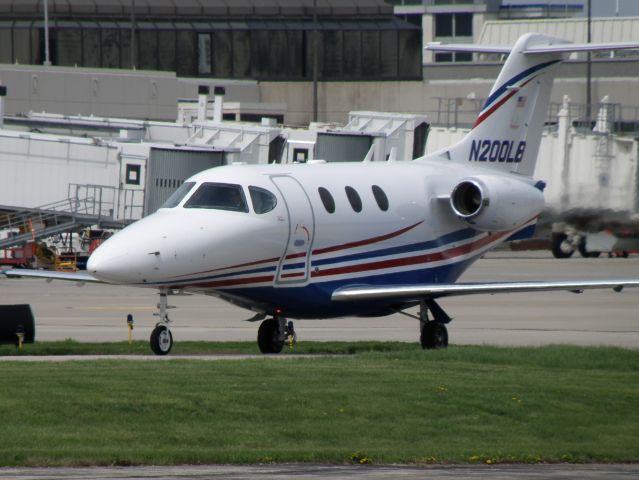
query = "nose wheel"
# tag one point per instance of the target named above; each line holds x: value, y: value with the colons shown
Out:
x: 161, y: 340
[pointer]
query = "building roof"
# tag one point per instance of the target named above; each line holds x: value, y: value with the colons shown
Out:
x: 190, y: 8
x: 604, y: 29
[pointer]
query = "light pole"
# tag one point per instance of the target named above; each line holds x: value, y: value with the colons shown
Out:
x: 47, y: 59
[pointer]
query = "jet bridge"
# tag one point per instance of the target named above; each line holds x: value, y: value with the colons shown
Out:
x: 374, y: 136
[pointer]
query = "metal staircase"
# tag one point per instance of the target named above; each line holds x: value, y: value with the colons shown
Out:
x: 86, y: 206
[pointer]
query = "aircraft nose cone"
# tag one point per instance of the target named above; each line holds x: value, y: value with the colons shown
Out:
x: 107, y: 264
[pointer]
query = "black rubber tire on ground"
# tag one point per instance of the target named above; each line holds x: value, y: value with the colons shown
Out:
x: 161, y: 340
x: 434, y: 335
x: 556, y: 240
x: 268, y: 337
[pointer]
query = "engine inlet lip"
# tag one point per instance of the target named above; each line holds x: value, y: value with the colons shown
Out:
x: 467, y: 198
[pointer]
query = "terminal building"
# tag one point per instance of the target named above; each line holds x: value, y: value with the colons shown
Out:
x: 138, y: 58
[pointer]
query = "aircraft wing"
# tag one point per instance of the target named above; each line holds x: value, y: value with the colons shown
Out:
x: 81, y: 277
x: 418, y: 292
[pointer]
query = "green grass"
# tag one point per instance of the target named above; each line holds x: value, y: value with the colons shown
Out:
x: 464, y: 404
x: 141, y: 347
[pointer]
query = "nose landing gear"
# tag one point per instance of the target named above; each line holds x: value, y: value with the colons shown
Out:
x: 274, y: 333
x: 161, y: 340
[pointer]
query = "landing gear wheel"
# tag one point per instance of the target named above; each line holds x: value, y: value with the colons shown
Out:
x: 161, y: 340
x: 434, y: 335
x: 269, y: 337
x: 560, y: 246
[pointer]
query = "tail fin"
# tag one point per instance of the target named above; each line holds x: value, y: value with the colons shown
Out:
x: 507, y: 132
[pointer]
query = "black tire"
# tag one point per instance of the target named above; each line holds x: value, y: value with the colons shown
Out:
x: 268, y: 337
x: 434, y: 335
x: 161, y: 340
x: 557, y: 240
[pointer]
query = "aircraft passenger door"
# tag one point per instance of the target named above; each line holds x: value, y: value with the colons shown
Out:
x: 295, y: 263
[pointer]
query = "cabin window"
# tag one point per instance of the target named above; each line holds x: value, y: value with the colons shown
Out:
x: 380, y: 198
x: 219, y: 196
x: 263, y: 200
x: 327, y: 199
x: 354, y: 198
x: 177, y: 196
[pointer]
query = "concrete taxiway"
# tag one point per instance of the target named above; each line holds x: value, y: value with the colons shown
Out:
x: 94, y: 313
x: 313, y: 472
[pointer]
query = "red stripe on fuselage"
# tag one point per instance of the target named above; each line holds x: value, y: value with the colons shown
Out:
x: 248, y: 264
x: 360, y: 243
x: 414, y: 260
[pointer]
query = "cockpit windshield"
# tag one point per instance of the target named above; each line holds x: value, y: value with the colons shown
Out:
x: 263, y: 200
x: 220, y: 196
x: 177, y: 196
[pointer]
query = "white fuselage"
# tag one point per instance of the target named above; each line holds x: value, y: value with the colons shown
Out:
x: 293, y: 256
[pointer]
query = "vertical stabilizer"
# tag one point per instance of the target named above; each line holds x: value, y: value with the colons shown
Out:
x: 508, y: 130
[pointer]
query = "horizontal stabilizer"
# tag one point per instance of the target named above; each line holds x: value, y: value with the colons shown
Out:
x: 532, y: 49
x: 466, y: 47
x: 418, y: 292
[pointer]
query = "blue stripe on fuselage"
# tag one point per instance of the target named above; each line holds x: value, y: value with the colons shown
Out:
x: 314, y: 300
x: 444, y: 240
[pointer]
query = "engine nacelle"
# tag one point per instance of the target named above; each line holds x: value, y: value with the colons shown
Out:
x: 495, y: 202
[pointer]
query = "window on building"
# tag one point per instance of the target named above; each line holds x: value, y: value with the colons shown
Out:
x: 166, y: 50
x: 21, y: 45
x: 278, y: 49
x: 354, y: 199
x: 92, y: 48
x: 147, y: 49
x: 443, y: 57
x: 300, y: 155
x: 69, y: 46
x: 388, y: 53
x: 222, y: 50
x: 352, y: 54
x: 380, y: 197
x: 186, y: 60
x: 110, y: 48
x: 6, y: 55
x: 241, y: 54
x: 132, y: 174
x: 463, y: 24
x: 452, y: 26
x: 444, y: 25
x: 370, y: 53
x: 204, y: 53
x: 327, y: 199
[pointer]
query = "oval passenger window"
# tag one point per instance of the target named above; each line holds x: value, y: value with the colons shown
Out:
x: 354, y: 199
x: 327, y: 199
x: 380, y: 198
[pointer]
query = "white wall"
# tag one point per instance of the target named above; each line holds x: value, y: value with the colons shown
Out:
x: 37, y: 169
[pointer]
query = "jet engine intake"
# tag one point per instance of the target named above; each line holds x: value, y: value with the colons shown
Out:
x: 495, y: 202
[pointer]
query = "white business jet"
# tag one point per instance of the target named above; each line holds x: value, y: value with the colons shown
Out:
x: 328, y: 240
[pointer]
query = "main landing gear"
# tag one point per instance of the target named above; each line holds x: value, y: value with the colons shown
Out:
x: 433, y: 333
x: 274, y: 333
x: 161, y: 338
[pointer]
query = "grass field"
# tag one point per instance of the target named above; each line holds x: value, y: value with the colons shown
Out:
x: 404, y: 405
